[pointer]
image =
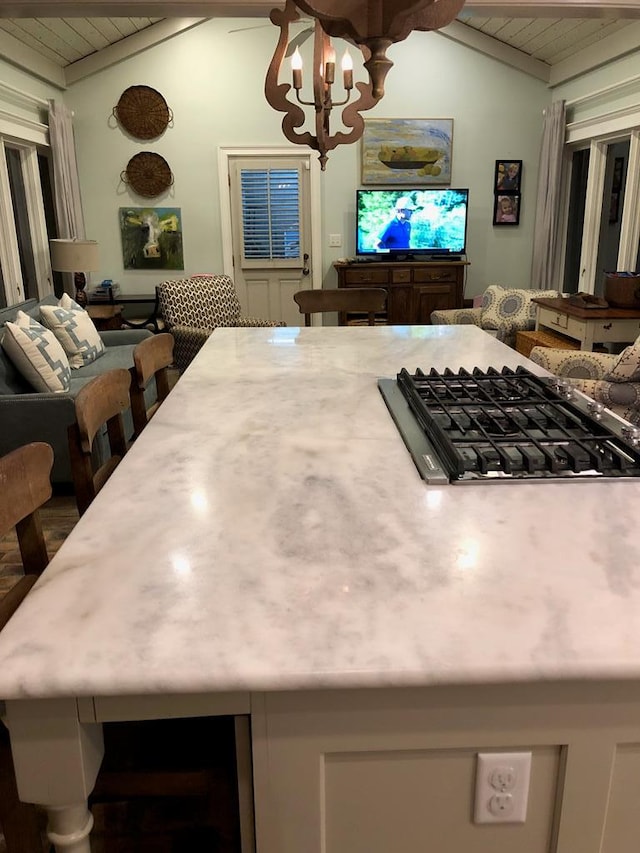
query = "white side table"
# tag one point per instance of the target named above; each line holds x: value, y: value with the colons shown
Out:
x: 590, y: 326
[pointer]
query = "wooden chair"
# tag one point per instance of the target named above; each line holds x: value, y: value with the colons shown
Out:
x: 101, y: 402
x: 366, y: 300
x: 151, y: 358
x: 24, y: 486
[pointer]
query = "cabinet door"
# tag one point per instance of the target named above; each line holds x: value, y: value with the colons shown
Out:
x: 400, y: 305
x: 428, y: 298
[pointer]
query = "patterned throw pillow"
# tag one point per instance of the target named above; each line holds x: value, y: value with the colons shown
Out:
x: 74, y: 328
x: 510, y: 308
x: 37, y: 354
x: 627, y: 366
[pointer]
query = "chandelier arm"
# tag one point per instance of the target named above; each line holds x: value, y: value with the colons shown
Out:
x: 276, y: 93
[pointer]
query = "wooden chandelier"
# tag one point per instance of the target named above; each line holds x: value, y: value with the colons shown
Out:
x: 372, y: 25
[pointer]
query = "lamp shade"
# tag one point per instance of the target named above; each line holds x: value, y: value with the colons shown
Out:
x: 74, y: 255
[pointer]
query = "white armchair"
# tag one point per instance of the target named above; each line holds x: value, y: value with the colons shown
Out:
x: 504, y: 312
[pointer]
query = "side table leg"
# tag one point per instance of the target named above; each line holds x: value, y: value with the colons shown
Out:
x: 587, y: 342
x: 69, y: 827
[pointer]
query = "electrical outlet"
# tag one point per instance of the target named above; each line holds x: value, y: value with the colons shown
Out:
x: 335, y: 240
x: 502, y: 787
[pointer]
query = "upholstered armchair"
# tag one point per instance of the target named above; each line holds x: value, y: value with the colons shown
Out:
x: 613, y: 380
x: 504, y: 312
x: 193, y: 307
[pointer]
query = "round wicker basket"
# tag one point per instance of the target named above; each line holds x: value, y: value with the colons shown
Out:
x: 148, y: 174
x: 143, y: 112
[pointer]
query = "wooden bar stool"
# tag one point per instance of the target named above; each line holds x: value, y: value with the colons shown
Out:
x: 101, y: 402
x: 152, y: 357
x: 366, y: 300
x: 24, y: 486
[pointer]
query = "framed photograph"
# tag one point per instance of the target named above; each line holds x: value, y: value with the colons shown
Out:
x: 151, y: 238
x: 415, y: 151
x: 506, y: 209
x: 508, y: 176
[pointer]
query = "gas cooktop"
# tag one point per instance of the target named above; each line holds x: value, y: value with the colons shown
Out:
x: 507, y: 426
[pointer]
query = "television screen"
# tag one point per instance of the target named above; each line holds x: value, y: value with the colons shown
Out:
x: 411, y: 221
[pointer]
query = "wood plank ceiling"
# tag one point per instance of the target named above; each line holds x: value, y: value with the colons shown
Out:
x: 550, y: 40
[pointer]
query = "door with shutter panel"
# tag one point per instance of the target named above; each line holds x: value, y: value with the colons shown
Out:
x: 270, y: 214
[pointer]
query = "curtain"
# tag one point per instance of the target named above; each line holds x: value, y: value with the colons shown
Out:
x: 66, y: 183
x: 546, y: 242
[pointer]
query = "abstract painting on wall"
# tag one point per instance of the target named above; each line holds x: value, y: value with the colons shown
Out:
x: 151, y: 238
x: 407, y: 151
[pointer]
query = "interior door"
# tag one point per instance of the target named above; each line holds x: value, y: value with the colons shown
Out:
x: 270, y: 224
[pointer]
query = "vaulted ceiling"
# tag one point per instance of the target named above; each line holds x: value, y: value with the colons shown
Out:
x: 540, y: 36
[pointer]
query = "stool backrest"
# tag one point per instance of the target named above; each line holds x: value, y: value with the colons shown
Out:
x: 24, y: 486
x: 152, y: 358
x: 365, y: 300
x: 101, y: 402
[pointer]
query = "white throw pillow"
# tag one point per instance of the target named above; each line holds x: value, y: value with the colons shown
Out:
x: 37, y: 354
x: 75, y: 330
x: 627, y: 366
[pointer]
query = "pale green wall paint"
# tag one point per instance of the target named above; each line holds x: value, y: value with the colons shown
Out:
x: 213, y: 81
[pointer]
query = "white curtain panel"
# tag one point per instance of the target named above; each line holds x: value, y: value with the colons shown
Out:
x: 546, y: 240
x: 68, y: 202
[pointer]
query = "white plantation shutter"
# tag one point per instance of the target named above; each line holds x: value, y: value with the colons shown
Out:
x: 271, y: 219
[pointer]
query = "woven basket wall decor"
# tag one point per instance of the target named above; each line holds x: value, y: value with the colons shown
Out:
x: 143, y: 112
x: 148, y: 174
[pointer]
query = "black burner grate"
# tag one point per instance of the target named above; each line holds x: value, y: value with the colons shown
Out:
x: 512, y: 424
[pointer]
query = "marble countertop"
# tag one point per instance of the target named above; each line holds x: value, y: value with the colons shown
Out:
x: 269, y: 530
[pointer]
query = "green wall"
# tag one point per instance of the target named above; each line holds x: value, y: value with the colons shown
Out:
x: 213, y: 81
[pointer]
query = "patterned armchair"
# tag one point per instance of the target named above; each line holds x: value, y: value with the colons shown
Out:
x: 613, y: 380
x: 193, y: 307
x: 504, y: 312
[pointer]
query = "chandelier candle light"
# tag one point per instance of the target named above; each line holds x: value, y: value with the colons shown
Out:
x: 372, y: 26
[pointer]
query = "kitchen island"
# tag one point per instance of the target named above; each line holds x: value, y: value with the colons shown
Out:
x: 290, y: 567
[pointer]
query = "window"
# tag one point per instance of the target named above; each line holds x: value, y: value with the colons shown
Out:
x: 25, y: 270
x: 270, y: 214
x: 603, y: 218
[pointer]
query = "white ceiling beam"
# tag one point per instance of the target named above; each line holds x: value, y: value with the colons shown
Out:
x: 553, y: 9
x: 132, y: 45
x: 496, y: 50
x: 261, y: 8
x: 18, y: 54
x: 607, y: 49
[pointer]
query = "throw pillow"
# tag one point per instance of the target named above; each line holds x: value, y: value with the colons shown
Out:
x: 510, y: 308
x: 75, y: 330
x: 627, y: 366
x: 37, y: 354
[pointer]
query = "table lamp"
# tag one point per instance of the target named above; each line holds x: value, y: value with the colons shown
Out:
x: 78, y: 257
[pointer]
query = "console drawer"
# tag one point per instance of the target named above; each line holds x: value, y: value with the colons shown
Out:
x: 366, y: 276
x: 424, y: 276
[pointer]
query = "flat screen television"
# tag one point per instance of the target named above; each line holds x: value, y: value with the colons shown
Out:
x: 411, y: 222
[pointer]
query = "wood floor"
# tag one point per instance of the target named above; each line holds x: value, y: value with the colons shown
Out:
x: 165, y: 786
x: 59, y: 516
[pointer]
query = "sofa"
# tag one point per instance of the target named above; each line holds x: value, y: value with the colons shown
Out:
x: 504, y: 312
x: 613, y: 380
x: 27, y: 415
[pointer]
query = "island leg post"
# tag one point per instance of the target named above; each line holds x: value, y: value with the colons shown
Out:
x: 56, y: 759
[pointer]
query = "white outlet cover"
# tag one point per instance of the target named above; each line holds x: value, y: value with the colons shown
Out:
x: 335, y: 240
x: 502, y: 787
